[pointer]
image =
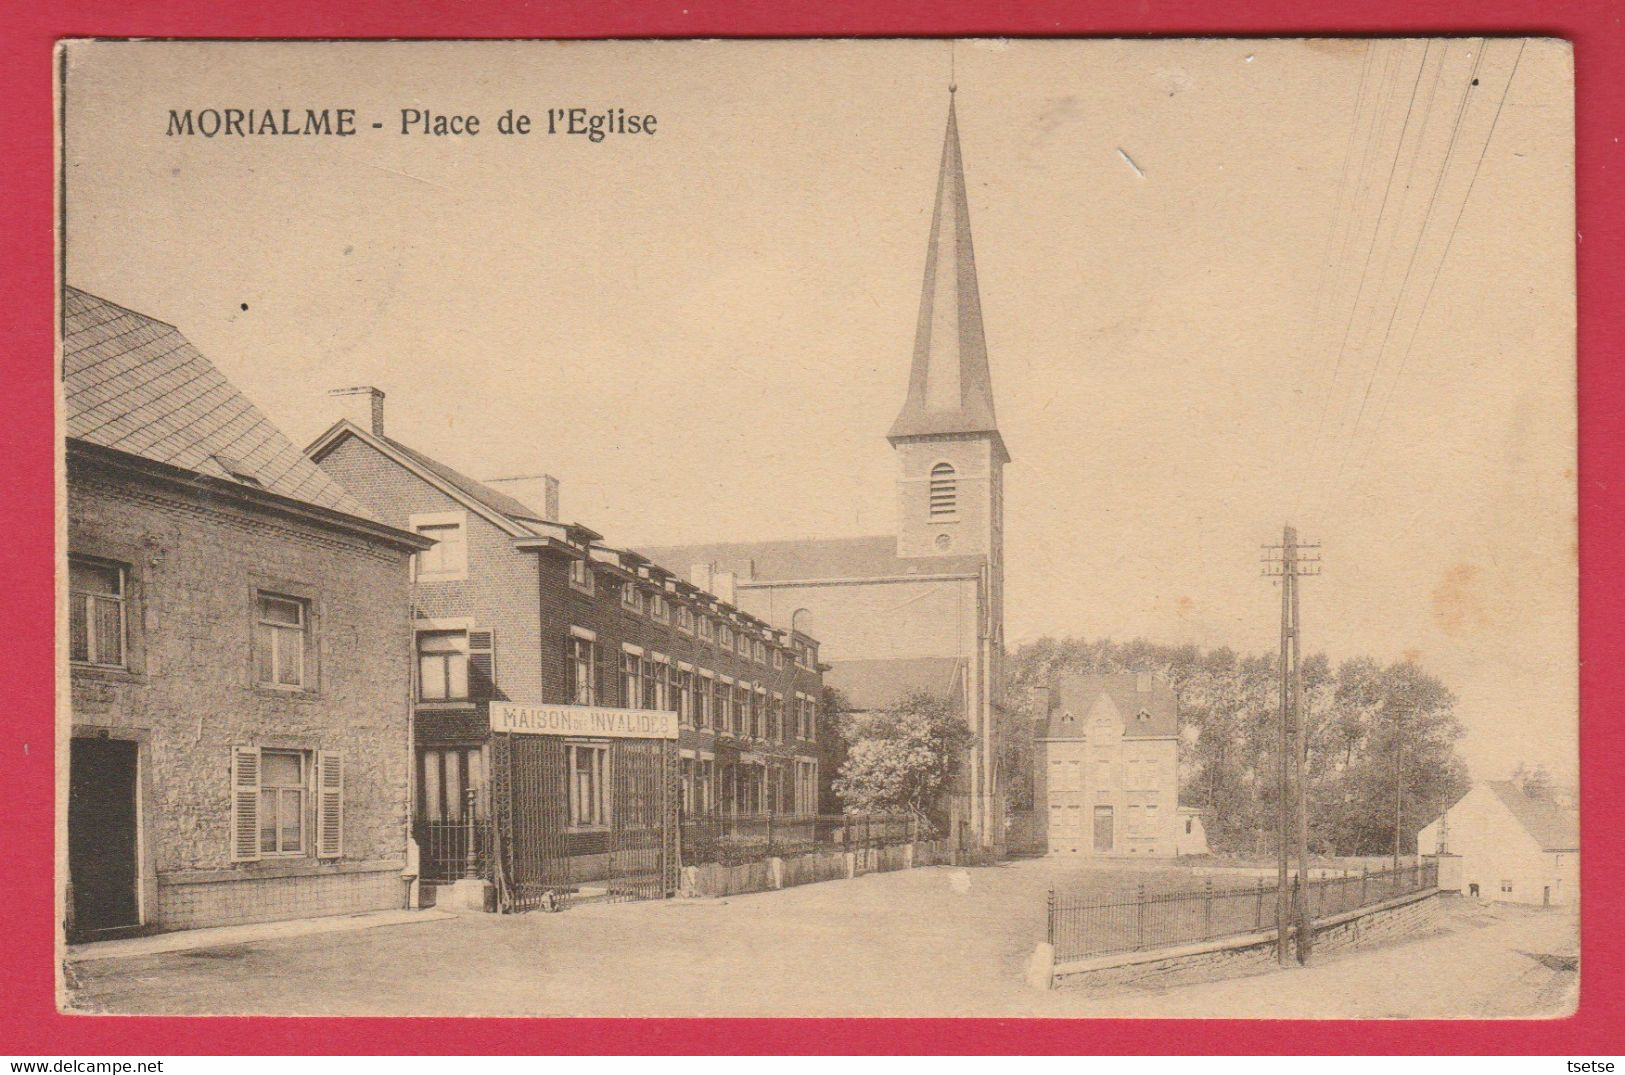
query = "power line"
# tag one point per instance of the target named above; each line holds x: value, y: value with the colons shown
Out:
x: 1449, y: 241
x: 1427, y: 219
x: 1365, y: 267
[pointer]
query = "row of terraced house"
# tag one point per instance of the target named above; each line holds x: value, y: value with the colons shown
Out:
x: 285, y: 664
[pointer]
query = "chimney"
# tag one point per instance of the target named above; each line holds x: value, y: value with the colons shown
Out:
x: 539, y: 492
x: 362, y: 405
x: 700, y: 575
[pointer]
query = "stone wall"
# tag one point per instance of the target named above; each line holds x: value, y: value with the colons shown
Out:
x: 1243, y: 954
x: 714, y: 879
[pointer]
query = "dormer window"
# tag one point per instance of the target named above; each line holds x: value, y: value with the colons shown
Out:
x: 944, y: 491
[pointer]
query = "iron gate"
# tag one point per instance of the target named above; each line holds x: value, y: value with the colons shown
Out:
x: 551, y: 847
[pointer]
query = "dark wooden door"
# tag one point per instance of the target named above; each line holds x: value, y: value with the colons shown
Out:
x: 102, y: 844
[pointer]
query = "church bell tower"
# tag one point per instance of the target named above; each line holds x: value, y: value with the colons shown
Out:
x: 951, y: 487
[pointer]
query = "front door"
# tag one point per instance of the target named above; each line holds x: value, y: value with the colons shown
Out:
x: 1103, y: 828
x: 102, y: 844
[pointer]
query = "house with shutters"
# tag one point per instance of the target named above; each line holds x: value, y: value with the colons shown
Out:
x: 1107, y: 769
x: 512, y: 605
x: 237, y: 652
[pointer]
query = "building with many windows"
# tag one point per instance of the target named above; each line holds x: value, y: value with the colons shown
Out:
x: 1106, y: 769
x: 513, y: 605
x: 237, y: 648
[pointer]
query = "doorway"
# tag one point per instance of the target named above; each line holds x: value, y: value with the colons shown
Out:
x: 102, y: 838
x: 1103, y: 828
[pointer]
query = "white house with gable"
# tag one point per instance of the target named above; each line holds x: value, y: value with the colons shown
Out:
x: 1496, y: 843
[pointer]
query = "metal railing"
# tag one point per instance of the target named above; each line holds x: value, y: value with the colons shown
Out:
x: 733, y: 840
x: 1089, y: 925
x: 451, y: 850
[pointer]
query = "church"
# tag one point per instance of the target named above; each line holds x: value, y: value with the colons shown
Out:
x: 921, y: 609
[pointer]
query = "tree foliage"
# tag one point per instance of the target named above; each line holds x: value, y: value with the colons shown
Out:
x: 1372, y: 730
x: 903, y: 757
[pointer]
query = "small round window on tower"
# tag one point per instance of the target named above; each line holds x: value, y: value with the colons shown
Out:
x: 945, y: 542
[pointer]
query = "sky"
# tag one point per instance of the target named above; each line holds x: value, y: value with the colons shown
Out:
x: 1227, y: 285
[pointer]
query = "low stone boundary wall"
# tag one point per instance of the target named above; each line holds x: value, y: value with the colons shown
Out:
x: 715, y: 879
x: 1402, y: 915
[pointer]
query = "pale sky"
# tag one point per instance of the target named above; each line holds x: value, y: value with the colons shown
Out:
x: 706, y: 333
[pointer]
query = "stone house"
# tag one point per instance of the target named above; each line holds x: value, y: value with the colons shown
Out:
x: 237, y: 650
x: 1106, y: 769
x: 1497, y: 843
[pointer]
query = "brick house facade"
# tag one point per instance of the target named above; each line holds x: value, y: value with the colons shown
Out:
x: 238, y: 653
x: 1107, y: 768
x: 540, y: 612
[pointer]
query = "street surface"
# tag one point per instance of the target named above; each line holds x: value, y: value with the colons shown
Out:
x: 938, y: 941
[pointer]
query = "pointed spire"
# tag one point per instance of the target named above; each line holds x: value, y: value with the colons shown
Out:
x: 949, y: 388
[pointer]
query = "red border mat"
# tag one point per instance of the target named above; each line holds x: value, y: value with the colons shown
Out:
x: 29, y: 1023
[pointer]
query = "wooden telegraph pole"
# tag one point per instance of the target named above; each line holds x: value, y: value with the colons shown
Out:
x: 1292, y: 741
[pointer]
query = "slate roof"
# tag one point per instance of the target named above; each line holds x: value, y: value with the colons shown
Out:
x: 876, y: 684
x: 949, y: 387
x: 135, y: 384
x: 831, y: 558
x: 1076, y: 694
x: 1556, y: 828
x: 501, y: 503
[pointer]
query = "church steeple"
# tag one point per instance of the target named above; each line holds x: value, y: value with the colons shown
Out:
x: 950, y: 391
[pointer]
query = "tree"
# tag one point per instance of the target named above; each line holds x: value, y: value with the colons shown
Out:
x: 903, y: 757
x: 1367, y: 726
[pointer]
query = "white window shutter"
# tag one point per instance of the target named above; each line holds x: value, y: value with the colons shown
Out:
x: 329, y: 805
x: 245, y: 804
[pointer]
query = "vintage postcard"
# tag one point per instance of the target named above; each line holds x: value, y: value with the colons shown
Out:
x: 1066, y: 528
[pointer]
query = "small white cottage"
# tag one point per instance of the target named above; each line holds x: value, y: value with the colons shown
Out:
x: 1496, y: 843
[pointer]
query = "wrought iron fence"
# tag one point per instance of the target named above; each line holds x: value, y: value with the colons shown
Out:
x: 1087, y: 925
x: 732, y: 840
x: 451, y: 850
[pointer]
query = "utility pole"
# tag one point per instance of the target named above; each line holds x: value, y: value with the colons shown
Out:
x: 1292, y: 739
x: 1399, y: 782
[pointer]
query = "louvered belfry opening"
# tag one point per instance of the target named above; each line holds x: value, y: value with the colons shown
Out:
x: 944, y: 491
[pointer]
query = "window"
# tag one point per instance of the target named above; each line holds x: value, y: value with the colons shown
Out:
x: 280, y: 641
x: 685, y: 619
x: 747, y: 715
x: 589, y: 773
x: 631, y: 597
x: 1506, y: 888
x: 659, y: 608
x: 778, y: 657
x: 96, y: 619
x: 278, y: 796
x: 447, y: 560
x: 775, y: 718
x: 684, y: 703
x: 448, y: 776
x: 743, y: 649
x: 707, y: 628
x: 632, y: 679
x: 1187, y: 826
x: 581, y: 575
x: 442, y: 666
x: 944, y: 492
x: 583, y: 662
x: 656, y: 685
x: 725, y: 636
x: 707, y: 701
x: 759, y: 651
x: 707, y: 791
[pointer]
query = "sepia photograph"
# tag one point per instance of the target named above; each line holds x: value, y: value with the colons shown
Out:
x: 1063, y: 528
